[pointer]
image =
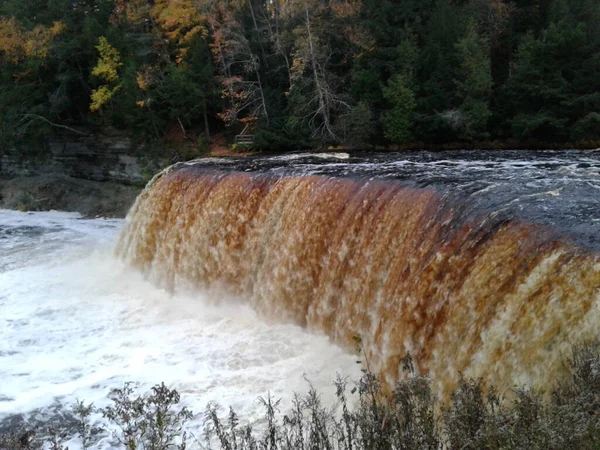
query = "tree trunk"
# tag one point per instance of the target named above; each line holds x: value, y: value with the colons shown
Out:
x: 262, y: 96
x: 257, y: 31
x: 323, y: 110
x: 276, y: 39
x: 206, y: 129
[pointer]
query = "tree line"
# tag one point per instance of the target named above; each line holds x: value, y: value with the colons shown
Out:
x: 303, y: 73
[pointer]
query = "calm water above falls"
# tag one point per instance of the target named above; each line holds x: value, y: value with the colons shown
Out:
x: 560, y: 189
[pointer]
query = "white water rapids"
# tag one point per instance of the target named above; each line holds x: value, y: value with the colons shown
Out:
x: 75, y: 323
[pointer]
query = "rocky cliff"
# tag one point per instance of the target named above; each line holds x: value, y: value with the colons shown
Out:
x: 97, y: 157
x: 97, y: 174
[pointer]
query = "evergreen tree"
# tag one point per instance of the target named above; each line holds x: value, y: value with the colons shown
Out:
x: 398, y: 121
x: 474, y: 83
x: 438, y: 118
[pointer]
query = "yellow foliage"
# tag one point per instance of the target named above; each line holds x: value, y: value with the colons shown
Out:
x: 101, y: 95
x: 109, y: 62
x: 57, y: 28
x: 11, y: 38
x: 143, y: 103
x: 17, y: 43
x: 105, y: 69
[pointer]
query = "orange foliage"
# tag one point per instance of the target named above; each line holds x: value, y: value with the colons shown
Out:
x: 145, y: 77
x: 345, y: 8
x: 17, y: 43
x: 179, y: 21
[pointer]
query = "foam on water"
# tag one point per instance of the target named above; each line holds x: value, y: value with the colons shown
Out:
x: 75, y: 322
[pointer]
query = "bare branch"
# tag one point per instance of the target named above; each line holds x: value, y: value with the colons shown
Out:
x: 35, y: 117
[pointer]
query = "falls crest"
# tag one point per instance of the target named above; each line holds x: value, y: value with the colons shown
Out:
x: 401, y: 267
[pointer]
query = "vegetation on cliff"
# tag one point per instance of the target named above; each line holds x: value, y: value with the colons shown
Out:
x: 303, y: 73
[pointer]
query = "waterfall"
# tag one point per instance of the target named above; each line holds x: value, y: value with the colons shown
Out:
x: 404, y: 268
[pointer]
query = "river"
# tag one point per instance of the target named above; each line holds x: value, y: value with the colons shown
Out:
x: 77, y: 320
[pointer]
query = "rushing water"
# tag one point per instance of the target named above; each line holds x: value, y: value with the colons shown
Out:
x: 481, y: 262
x: 484, y: 265
x: 76, y: 322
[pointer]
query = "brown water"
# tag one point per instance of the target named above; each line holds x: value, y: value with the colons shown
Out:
x: 408, y: 269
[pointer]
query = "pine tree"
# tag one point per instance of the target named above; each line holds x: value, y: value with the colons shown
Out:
x: 474, y: 83
x: 398, y: 121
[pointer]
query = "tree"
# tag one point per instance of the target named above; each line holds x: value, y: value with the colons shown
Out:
x: 25, y: 49
x: 238, y: 66
x: 357, y: 127
x: 474, y: 83
x: 180, y: 21
x: 18, y: 44
x: 106, y: 70
x: 315, y: 85
x: 187, y: 90
x: 398, y: 121
x: 438, y: 117
x: 539, y: 87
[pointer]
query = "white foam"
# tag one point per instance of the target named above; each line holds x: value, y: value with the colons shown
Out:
x: 75, y: 322
x: 294, y: 156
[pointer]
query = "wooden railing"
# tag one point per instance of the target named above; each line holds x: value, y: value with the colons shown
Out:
x: 244, y: 139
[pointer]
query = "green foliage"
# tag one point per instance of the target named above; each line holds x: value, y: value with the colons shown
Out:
x: 552, y: 88
x: 147, y: 422
x: 398, y: 121
x: 202, y: 145
x: 587, y: 128
x: 358, y: 126
x: 474, y: 83
x: 436, y: 94
x: 302, y: 74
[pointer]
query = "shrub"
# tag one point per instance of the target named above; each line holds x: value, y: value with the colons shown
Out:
x: 408, y: 418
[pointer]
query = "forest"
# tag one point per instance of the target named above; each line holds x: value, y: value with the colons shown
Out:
x: 303, y: 73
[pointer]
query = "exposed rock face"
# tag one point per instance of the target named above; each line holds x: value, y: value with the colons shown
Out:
x: 62, y: 193
x: 98, y: 159
x: 94, y: 157
x: 96, y: 175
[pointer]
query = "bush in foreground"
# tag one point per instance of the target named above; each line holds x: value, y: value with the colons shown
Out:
x: 409, y: 418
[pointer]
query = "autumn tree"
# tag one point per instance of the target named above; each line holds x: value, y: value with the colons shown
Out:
x: 238, y: 66
x: 179, y: 21
x: 106, y: 70
x: 18, y: 44
x: 301, y: 73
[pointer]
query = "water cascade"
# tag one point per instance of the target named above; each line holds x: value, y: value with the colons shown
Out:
x: 404, y: 268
